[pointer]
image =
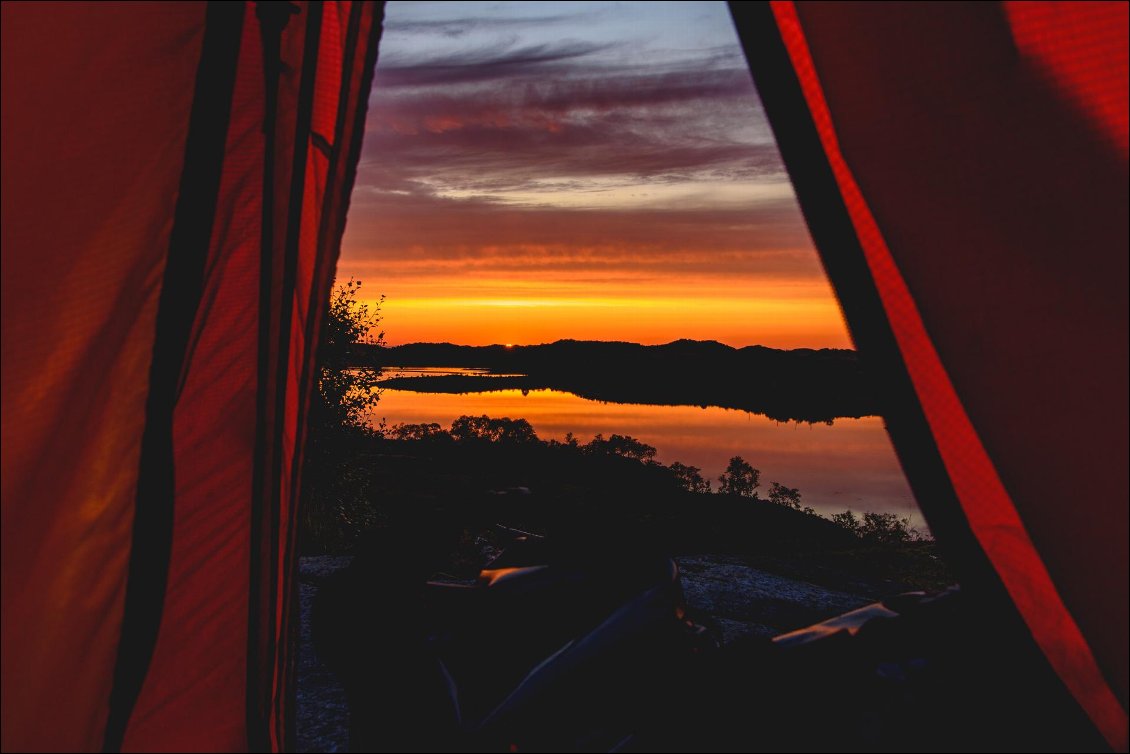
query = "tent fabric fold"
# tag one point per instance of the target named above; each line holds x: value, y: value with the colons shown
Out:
x: 93, y: 153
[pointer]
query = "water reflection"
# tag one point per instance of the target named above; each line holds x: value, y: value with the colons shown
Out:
x: 846, y: 465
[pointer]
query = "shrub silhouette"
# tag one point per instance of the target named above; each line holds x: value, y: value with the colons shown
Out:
x: 335, y: 489
x: 879, y: 528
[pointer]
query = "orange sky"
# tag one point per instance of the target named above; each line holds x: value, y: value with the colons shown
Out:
x: 599, y: 173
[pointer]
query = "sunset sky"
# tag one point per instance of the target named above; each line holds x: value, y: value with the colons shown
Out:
x: 536, y: 171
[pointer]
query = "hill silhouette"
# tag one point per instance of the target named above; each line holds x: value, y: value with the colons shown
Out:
x: 810, y: 385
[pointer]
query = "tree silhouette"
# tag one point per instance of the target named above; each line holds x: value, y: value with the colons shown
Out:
x: 346, y: 393
x: 621, y: 445
x: 483, y: 428
x: 425, y: 431
x: 786, y: 496
x: 739, y: 478
x: 689, y: 477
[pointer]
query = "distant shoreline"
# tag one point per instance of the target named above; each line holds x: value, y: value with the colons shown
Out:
x: 806, y: 385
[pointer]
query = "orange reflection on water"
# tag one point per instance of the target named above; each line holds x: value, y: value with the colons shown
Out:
x: 850, y: 464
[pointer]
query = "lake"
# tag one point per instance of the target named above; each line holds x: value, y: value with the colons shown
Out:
x: 849, y: 464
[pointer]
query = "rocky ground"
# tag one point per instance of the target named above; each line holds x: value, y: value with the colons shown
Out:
x: 746, y: 601
x: 322, y: 712
x: 741, y: 600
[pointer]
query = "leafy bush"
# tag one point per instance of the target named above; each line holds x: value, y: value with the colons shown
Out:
x: 880, y: 528
x: 335, y: 495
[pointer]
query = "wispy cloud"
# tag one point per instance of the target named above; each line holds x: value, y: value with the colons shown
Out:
x: 498, y: 62
x: 462, y: 26
x: 508, y: 143
x: 686, y: 126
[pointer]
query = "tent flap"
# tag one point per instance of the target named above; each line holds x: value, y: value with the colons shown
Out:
x: 175, y: 179
x: 984, y: 183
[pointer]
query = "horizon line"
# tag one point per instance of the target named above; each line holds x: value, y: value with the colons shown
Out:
x: 604, y: 342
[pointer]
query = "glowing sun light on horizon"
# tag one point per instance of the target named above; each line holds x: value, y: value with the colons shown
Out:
x: 527, y: 203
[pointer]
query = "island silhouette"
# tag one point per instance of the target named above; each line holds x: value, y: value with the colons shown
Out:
x: 801, y: 385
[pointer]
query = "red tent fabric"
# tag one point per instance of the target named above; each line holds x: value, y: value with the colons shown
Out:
x: 175, y: 183
x: 963, y: 168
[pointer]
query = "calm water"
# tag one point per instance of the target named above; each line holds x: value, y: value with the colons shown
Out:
x: 847, y: 465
